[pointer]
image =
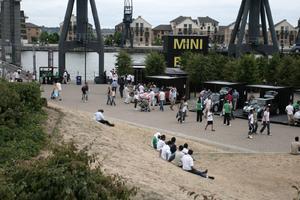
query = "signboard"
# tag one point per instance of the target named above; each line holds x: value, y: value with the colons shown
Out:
x: 175, y: 46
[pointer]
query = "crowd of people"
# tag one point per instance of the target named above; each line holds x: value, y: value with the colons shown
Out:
x: 181, y: 156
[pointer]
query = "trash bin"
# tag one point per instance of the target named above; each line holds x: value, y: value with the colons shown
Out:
x: 78, y: 80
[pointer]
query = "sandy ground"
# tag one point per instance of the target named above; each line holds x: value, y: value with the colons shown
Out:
x: 125, y: 150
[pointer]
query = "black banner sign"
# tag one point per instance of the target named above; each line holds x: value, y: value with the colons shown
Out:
x: 175, y: 46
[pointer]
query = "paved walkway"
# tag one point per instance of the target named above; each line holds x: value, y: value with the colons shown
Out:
x: 234, y: 137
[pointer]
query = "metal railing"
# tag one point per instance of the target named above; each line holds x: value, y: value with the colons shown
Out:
x: 6, y: 69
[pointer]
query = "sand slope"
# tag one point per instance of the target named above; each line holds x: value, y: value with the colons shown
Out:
x: 125, y: 150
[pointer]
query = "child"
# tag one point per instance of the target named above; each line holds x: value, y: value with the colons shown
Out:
x: 210, y: 120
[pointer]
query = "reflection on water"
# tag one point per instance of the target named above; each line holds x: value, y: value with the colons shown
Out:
x: 75, y: 62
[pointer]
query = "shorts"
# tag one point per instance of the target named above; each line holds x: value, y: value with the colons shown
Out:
x: 210, y: 122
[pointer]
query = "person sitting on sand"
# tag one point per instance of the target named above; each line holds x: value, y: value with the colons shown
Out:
x: 161, y: 142
x: 173, y: 149
x: 188, y: 165
x: 295, y: 147
x: 178, y: 155
x: 185, y: 148
x: 165, y: 152
x: 155, y: 139
x: 100, y: 118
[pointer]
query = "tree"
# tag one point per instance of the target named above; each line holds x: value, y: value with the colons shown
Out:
x: 124, y: 63
x: 117, y: 38
x: 109, y: 40
x: 157, y: 42
x: 155, y: 64
x: 285, y: 71
x: 44, y: 37
x: 271, y: 68
x: 196, y: 67
x: 247, y: 70
x: 229, y: 70
x: 53, y: 38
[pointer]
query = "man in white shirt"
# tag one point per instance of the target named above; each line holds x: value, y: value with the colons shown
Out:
x: 162, y: 98
x: 185, y: 148
x: 100, y: 118
x: 266, y: 121
x: 188, y: 165
x: 178, y: 155
x: 290, y: 113
x: 165, y: 152
x: 152, y: 99
x: 161, y: 142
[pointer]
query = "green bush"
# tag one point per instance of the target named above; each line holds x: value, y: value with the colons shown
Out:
x: 30, y: 95
x: 64, y: 175
x: 124, y: 63
x: 21, y: 135
x: 155, y: 64
x: 279, y: 69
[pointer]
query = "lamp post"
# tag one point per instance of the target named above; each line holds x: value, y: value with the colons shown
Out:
x: 85, y: 43
x: 34, y: 61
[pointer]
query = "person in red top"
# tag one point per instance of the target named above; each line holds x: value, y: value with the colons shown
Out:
x: 228, y: 97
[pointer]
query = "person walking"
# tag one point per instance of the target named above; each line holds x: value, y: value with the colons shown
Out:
x: 136, y: 98
x: 121, y: 87
x: 114, y: 85
x: 251, y: 124
x: 199, y: 109
x: 162, y: 99
x: 179, y: 114
x: 59, y: 88
x: 227, y: 113
x: 290, y: 113
x: 152, y: 99
x: 235, y: 98
x: 210, y: 120
x: 266, y: 121
x: 185, y: 110
x: 172, y: 97
x: 108, y: 93
x: 113, y: 97
x: 85, y: 90
x: 255, y: 121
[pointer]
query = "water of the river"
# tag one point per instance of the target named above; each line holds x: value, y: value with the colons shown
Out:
x: 75, y: 62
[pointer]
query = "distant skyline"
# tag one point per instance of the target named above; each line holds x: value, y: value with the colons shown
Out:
x: 51, y: 13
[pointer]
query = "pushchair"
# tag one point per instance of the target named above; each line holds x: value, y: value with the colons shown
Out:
x: 144, y: 104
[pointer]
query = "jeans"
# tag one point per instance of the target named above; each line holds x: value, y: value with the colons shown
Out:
x: 112, y: 101
x: 265, y: 124
x: 199, y: 173
x: 106, y: 122
x: 179, y: 116
x: 161, y: 105
x: 108, y: 100
x: 251, y: 129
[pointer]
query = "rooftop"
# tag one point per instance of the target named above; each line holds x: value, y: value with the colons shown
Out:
x: 163, y: 27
